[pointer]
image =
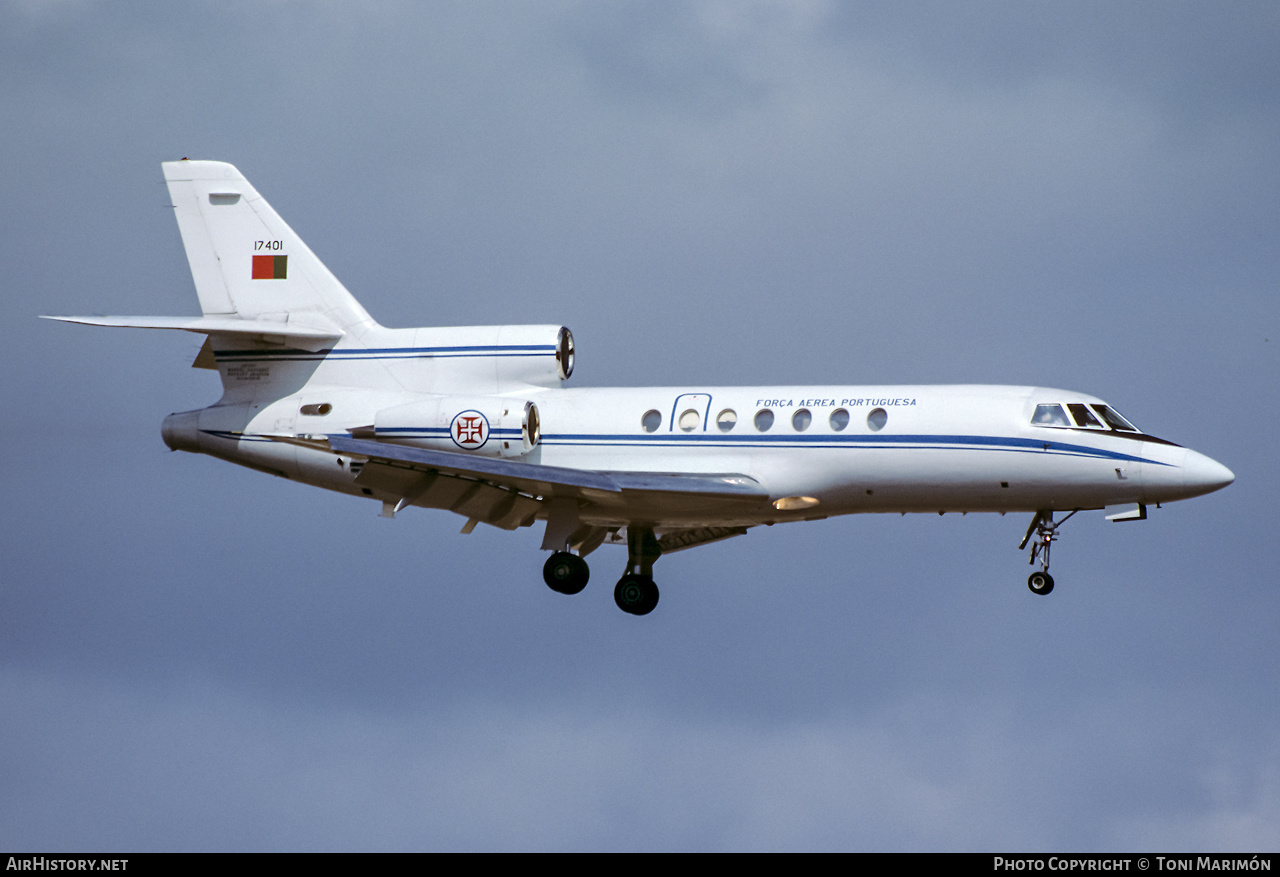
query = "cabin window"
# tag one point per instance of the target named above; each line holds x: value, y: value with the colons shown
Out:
x: 877, y: 419
x: 651, y: 420
x: 839, y: 419
x: 764, y: 420
x: 1083, y: 416
x: 689, y: 420
x: 1113, y: 419
x: 1049, y: 415
x: 801, y: 419
x: 317, y: 410
x: 726, y: 420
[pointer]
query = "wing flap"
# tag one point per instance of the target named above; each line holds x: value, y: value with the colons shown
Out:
x: 511, y: 494
x: 498, y: 506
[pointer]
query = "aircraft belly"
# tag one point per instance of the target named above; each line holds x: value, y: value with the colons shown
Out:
x: 675, y: 511
x: 915, y: 479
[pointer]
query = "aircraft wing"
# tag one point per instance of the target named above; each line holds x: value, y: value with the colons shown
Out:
x: 512, y: 493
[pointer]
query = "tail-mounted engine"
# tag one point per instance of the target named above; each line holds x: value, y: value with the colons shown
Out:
x: 492, y: 426
x: 479, y: 360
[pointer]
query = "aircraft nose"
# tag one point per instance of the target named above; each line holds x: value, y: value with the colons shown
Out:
x: 1201, y: 474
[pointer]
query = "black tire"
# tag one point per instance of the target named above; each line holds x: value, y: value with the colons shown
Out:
x: 1040, y: 583
x: 651, y: 596
x: 636, y: 594
x: 565, y: 573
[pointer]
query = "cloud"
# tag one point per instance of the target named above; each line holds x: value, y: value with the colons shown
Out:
x: 114, y: 767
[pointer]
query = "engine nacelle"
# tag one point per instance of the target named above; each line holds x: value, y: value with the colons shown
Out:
x: 482, y: 360
x: 492, y: 426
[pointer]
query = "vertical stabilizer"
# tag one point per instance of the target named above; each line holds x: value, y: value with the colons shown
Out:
x: 246, y: 262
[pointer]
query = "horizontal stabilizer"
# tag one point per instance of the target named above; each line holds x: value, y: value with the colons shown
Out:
x: 206, y: 325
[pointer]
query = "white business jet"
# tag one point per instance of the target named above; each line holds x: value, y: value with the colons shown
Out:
x: 473, y: 420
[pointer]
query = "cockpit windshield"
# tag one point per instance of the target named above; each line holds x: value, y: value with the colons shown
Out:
x: 1114, y: 420
x: 1083, y: 416
x: 1094, y: 415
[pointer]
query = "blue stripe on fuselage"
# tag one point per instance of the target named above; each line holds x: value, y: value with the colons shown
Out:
x: 862, y: 442
x: 361, y: 353
x: 935, y: 442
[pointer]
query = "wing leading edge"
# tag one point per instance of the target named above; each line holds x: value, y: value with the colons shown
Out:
x: 543, y: 480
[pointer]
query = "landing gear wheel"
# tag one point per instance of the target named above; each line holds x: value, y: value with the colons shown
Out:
x: 636, y: 594
x: 1040, y: 583
x: 565, y: 573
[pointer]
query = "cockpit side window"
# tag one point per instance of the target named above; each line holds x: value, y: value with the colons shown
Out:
x: 1083, y: 416
x: 1114, y: 420
x: 1049, y: 415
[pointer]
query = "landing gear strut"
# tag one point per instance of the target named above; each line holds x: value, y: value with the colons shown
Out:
x: 1045, y: 531
x: 635, y: 592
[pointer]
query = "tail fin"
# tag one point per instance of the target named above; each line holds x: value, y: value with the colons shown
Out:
x: 246, y: 262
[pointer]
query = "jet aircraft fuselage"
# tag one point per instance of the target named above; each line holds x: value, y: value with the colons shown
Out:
x: 474, y: 420
x: 831, y: 450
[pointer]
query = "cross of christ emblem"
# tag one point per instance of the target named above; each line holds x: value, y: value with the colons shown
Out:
x: 470, y: 430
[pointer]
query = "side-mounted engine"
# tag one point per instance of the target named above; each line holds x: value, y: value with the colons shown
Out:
x: 492, y: 426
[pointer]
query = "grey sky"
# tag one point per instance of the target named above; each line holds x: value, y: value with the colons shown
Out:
x: 196, y: 656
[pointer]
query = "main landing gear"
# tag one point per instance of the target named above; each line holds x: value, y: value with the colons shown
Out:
x: 1045, y: 531
x: 565, y: 573
x: 635, y: 592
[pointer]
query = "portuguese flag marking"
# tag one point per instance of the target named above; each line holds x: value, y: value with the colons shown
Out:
x: 270, y: 267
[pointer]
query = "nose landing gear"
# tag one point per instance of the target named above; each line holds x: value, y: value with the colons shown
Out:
x: 1040, y: 583
x: 1045, y: 530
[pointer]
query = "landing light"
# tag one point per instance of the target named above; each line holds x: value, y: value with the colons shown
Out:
x: 791, y: 503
